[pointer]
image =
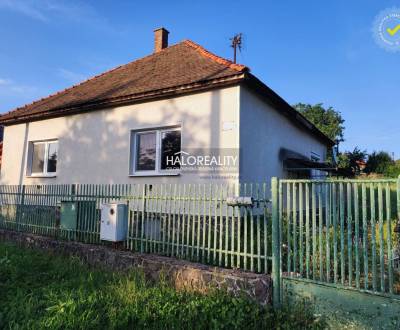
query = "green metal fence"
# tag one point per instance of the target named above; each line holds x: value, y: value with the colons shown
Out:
x: 337, y: 232
x: 195, y: 222
x: 341, y: 232
x: 189, y: 221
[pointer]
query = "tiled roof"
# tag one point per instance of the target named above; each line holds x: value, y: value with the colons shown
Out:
x: 180, y: 66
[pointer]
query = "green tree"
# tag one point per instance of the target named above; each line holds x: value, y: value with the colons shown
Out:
x: 379, y: 162
x: 393, y: 170
x: 350, y: 160
x: 343, y: 160
x: 327, y: 120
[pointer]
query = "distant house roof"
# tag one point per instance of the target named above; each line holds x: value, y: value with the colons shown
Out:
x: 179, y: 69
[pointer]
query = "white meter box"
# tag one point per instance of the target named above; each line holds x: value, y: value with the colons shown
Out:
x: 114, y: 222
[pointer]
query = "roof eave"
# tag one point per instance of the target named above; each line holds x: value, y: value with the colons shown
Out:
x: 199, y: 86
x: 243, y: 77
x: 283, y: 107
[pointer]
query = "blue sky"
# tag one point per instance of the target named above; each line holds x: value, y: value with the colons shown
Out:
x: 307, y: 51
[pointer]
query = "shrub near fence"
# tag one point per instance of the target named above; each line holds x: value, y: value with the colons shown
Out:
x: 341, y: 232
x: 189, y: 221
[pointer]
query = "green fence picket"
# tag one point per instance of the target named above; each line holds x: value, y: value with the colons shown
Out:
x: 320, y: 238
x: 389, y: 238
x: 328, y: 203
x: 294, y: 220
x: 365, y: 233
x: 301, y: 219
x: 357, y: 234
x: 276, y: 244
x: 288, y: 216
x: 337, y: 231
x: 373, y: 236
x: 350, y: 237
x: 349, y: 220
x: 314, y: 230
x: 381, y: 246
x: 307, y: 231
x: 335, y: 221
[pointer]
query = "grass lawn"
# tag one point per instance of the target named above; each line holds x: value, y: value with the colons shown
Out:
x: 39, y: 290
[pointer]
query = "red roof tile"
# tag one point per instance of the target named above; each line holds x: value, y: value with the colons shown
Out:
x: 182, y: 68
x: 180, y: 65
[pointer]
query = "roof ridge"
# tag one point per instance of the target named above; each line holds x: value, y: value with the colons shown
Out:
x: 204, y: 52
x: 216, y: 58
x: 85, y: 81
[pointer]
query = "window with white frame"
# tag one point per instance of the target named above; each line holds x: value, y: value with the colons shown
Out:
x: 43, y: 158
x: 152, y: 149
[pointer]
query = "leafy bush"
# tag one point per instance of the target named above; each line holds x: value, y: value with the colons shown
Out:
x: 38, y: 290
x: 378, y: 162
x: 393, y: 170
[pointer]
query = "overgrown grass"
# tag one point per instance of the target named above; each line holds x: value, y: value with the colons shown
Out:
x: 39, y: 290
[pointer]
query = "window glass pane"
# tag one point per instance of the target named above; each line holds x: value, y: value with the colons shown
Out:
x: 38, y: 158
x: 52, y: 157
x: 146, y: 151
x: 170, y: 146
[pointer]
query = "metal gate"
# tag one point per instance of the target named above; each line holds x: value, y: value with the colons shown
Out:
x: 337, y: 232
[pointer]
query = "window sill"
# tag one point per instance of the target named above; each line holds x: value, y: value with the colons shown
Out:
x: 154, y: 174
x: 41, y: 176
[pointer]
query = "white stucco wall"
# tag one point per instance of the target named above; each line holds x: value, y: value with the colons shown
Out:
x: 263, y: 132
x: 94, y: 147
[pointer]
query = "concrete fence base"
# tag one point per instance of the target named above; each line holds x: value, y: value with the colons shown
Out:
x: 180, y: 273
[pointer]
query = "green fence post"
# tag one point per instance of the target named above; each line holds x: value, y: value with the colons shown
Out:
x: 276, y: 267
x: 74, y: 234
x: 73, y: 192
x: 398, y: 198
x: 142, y: 236
x: 20, y: 211
x: 398, y: 213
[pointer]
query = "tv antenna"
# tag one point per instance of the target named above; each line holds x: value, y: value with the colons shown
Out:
x: 236, y: 44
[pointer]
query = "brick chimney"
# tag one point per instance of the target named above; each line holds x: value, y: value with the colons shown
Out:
x: 160, y: 39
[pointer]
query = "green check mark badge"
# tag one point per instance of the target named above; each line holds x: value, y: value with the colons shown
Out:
x: 393, y: 31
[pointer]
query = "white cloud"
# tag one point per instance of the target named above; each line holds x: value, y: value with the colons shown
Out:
x: 71, y: 76
x: 13, y: 94
x: 4, y: 82
x: 47, y: 10
x: 11, y: 88
x: 27, y: 8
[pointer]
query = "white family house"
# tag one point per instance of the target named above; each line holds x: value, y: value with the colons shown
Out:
x: 125, y: 126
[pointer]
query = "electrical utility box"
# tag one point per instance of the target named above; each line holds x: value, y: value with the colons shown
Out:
x: 71, y: 214
x: 114, y: 222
